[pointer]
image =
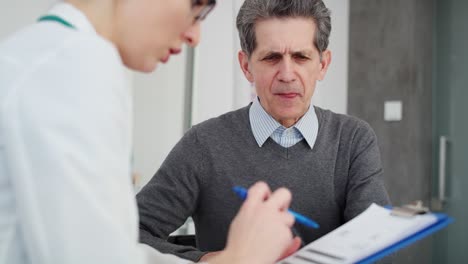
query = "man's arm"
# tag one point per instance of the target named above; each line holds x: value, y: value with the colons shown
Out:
x: 365, y: 178
x: 171, y: 197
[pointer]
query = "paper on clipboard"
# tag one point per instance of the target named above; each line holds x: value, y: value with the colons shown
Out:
x: 373, y: 230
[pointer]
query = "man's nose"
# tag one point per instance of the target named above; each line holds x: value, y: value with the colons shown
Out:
x: 286, y: 71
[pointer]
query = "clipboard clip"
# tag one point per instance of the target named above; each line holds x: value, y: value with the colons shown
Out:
x: 410, y: 210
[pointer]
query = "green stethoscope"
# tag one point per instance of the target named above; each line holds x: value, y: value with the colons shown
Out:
x: 57, y: 19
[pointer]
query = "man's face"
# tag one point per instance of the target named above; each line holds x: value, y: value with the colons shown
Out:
x: 285, y: 67
x: 149, y: 31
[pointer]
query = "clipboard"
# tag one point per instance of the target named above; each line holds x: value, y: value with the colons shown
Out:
x: 372, y: 235
x: 442, y: 221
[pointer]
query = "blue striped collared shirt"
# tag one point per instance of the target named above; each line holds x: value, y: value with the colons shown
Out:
x: 265, y: 126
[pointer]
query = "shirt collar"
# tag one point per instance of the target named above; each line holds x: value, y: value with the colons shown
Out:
x: 73, y: 16
x: 263, y: 124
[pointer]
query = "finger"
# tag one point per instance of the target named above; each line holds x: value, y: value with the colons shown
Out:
x: 288, y: 219
x: 281, y: 199
x: 295, y: 245
x: 258, y: 193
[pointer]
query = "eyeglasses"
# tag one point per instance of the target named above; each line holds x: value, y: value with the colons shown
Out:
x: 207, y: 6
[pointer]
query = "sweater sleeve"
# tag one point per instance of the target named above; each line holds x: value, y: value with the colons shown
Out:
x: 171, y: 197
x: 365, y: 179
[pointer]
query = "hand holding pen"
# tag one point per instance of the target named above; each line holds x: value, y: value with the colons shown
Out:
x: 261, y: 231
x: 242, y: 193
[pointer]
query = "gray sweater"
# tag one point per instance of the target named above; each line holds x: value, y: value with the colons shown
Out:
x: 331, y: 183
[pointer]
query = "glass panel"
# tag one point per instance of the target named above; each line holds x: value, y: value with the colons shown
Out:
x: 450, y: 113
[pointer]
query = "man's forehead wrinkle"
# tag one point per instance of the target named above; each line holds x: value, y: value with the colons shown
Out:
x: 285, y: 51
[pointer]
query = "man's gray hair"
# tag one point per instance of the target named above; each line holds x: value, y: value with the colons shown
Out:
x: 253, y: 11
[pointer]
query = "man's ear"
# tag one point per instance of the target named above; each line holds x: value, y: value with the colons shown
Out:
x: 326, y: 60
x: 244, y: 64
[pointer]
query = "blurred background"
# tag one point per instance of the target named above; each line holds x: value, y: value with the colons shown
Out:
x: 401, y: 65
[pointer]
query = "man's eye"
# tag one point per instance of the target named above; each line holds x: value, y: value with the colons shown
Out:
x: 301, y: 57
x: 272, y: 58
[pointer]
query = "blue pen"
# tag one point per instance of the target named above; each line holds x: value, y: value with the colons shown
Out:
x: 242, y: 193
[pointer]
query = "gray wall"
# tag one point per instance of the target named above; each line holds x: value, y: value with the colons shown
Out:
x: 391, y: 59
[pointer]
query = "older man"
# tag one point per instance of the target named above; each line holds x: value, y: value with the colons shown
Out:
x: 330, y: 162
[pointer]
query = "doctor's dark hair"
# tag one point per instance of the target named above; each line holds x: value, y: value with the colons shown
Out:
x: 253, y: 11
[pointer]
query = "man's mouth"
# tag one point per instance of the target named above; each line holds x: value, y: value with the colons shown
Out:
x: 288, y: 95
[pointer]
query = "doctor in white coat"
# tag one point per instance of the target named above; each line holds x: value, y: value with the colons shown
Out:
x: 65, y: 137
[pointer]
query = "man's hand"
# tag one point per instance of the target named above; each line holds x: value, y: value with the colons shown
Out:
x: 209, y: 256
x: 261, y: 231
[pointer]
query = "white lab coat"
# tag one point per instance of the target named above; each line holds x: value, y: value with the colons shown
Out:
x: 65, y: 144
